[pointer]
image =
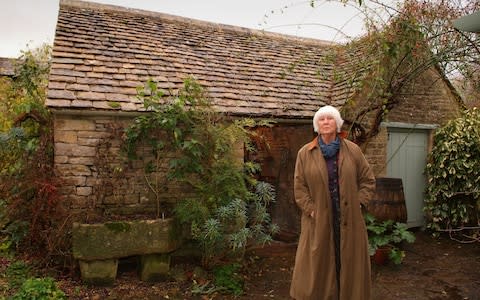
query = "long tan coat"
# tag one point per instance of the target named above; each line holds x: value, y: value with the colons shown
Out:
x: 314, y: 275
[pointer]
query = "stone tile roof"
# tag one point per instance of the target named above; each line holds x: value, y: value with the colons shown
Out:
x: 6, y: 66
x: 102, y: 53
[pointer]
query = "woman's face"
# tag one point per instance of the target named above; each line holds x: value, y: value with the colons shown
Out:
x: 327, y: 125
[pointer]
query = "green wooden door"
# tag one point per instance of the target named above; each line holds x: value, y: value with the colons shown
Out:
x: 406, y: 159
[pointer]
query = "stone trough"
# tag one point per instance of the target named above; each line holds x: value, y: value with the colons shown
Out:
x: 98, y: 247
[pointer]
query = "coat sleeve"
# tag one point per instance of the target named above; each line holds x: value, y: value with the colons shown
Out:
x: 366, y: 179
x: 301, y: 190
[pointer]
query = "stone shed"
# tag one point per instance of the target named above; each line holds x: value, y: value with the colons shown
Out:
x: 6, y: 67
x: 102, y: 53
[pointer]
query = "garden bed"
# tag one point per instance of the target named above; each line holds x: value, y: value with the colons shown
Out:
x: 432, y: 269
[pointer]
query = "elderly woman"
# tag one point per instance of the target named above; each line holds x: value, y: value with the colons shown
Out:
x: 332, y: 181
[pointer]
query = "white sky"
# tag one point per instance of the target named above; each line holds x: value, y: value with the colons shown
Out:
x: 26, y: 24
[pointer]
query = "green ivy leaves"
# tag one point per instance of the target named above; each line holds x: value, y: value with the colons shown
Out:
x: 453, y: 171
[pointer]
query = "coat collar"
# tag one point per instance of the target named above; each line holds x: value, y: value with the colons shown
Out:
x: 314, y: 142
x: 342, y: 135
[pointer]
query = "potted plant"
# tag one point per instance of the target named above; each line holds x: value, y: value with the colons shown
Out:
x: 384, y: 238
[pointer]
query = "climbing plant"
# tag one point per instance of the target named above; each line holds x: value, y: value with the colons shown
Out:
x: 397, y: 51
x: 452, y: 201
x: 402, y: 43
x: 222, y: 204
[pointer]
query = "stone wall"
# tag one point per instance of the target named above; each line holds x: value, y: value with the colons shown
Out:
x: 98, y: 179
x: 429, y: 100
x: 376, y: 153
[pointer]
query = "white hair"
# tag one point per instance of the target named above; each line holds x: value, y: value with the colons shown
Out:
x: 331, y: 111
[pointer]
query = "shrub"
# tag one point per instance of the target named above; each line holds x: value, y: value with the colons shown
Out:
x: 16, y: 274
x: 226, y: 279
x: 453, y: 172
x: 222, y: 209
x: 39, y: 289
x: 32, y: 215
x: 229, y: 279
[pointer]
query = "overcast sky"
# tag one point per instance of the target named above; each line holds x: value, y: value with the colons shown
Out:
x: 26, y: 24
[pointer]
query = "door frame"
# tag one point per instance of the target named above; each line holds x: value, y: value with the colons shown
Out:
x: 427, y: 129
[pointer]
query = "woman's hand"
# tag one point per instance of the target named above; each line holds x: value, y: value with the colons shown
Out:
x: 312, y: 214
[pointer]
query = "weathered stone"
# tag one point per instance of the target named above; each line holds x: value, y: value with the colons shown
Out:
x: 87, y: 161
x: 88, y: 141
x: 125, y: 90
x: 128, y: 106
x: 92, y: 134
x: 93, y: 181
x: 84, y: 191
x: 68, y: 190
x: 91, y: 96
x: 74, y: 170
x: 60, y: 159
x: 69, y: 137
x: 56, y: 85
x: 61, y: 66
x: 74, y: 180
x: 118, y: 97
x: 61, y: 60
x: 94, y: 75
x: 102, y: 104
x: 67, y: 72
x: 99, y: 272
x: 55, y: 78
x: 61, y: 94
x: 104, y: 69
x: 101, y: 88
x: 82, y: 103
x: 58, y: 103
x: 83, y: 68
x: 74, y: 124
x: 112, y: 199
x: 74, y: 150
x: 78, y: 201
x: 114, y: 239
x: 154, y: 267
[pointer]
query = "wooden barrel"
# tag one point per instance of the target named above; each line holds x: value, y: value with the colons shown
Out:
x: 389, y: 200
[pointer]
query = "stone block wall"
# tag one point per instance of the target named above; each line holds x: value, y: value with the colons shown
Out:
x: 376, y: 153
x: 428, y: 100
x: 97, y: 179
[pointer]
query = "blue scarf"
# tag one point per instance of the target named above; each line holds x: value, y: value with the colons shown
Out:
x: 329, y: 150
